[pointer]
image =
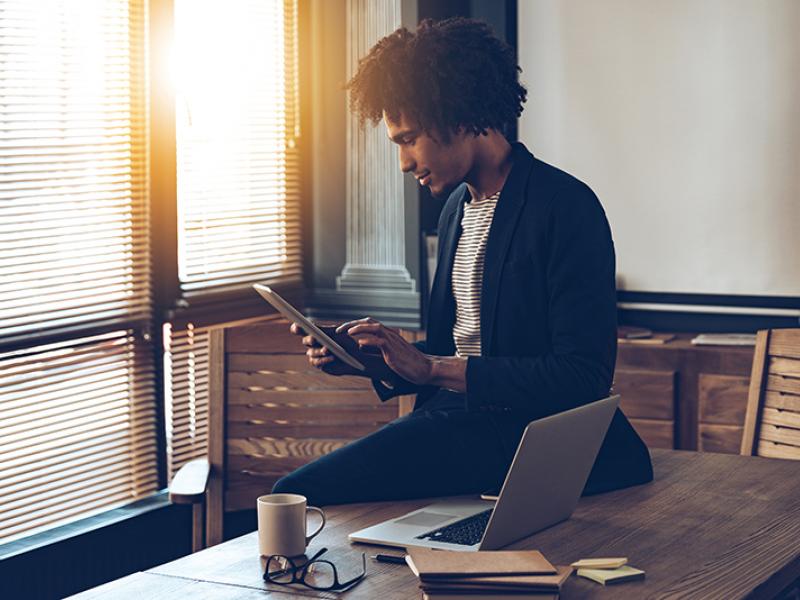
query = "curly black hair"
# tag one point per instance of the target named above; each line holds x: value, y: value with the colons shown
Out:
x: 448, y: 75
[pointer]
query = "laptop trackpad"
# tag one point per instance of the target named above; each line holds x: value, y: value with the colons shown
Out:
x: 424, y: 519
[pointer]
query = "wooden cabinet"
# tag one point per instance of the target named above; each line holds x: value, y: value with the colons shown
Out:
x: 677, y: 395
x: 648, y: 400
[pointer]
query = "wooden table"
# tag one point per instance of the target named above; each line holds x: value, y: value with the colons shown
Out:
x: 710, y: 526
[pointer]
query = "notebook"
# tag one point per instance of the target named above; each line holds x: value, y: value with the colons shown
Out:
x: 503, y: 584
x: 427, y: 563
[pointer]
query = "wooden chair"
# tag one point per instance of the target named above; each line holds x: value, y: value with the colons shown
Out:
x: 269, y: 413
x: 772, y: 420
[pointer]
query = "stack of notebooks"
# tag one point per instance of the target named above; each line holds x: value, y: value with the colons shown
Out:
x: 519, y: 574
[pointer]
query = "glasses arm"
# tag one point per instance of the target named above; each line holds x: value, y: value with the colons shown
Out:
x: 344, y: 584
x: 317, y: 555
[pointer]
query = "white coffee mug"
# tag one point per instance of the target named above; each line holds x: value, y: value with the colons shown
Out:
x: 282, y: 524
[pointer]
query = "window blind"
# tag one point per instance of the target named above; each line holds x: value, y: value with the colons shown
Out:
x: 77, y: 430
x: 186, y: 374
x: 73, y: 220
x: 237, y: 125
x: 77, y: 422
x: 237, y: 136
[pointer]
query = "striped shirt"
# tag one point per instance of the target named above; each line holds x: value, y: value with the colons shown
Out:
x: 468, y: 274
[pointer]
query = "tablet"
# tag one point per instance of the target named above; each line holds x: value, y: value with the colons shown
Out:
x: 295, y: 316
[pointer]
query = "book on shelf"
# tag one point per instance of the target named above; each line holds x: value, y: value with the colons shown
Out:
x: 654, y: 339
x: 630, y: 332
x: 725, y: 339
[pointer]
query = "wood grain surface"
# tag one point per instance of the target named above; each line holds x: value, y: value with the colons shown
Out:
x: 709, y: 526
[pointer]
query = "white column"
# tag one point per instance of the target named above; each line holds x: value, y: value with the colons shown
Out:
x: 375, y: 202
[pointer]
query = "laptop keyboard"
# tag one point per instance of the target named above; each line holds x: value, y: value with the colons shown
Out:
x: 466, y: 532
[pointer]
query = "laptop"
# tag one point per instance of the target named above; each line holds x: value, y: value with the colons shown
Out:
x: 542, y: 488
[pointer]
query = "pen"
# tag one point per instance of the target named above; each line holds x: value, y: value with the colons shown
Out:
x: 390, y: 558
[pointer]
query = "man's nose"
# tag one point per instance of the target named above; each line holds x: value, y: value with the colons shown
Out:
x: 407, y: 162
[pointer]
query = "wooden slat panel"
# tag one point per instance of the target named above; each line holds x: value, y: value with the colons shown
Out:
x: 782, y: 401
x: 334, y: 397
x: 781, y: 435
x: 274, y: 362
x: 655, y: 433
x: 784, y: 366
x: 773, y: 450
x: 282, y: 380
x: 294, y: 430
x: 777, y: 383
x: 240, y: 465
x: 720, y: 438
x: 785, y: 342
x: 332, y: 415
x: 723, y: 399
x: 297, y: 381
x: 646, y: 394
x: 754, y: 398
x: 308, y: 447
x: 216, y: 436
x: 273, y: 337
x: 780, y: 418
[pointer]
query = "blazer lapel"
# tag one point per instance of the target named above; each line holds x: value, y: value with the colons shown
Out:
x: 506, y: 215
x: 442, y: 313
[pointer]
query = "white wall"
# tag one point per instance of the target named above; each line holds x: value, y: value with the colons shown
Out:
x: 684, y: 117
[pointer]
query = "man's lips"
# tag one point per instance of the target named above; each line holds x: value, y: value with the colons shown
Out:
x: 424, y: 179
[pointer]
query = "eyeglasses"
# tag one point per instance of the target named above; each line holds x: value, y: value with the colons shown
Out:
x: 316, y: 574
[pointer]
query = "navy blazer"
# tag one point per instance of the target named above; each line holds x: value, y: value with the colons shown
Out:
x: 548, y: 313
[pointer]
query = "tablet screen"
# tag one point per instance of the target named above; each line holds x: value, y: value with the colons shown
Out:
x: 295, y: 316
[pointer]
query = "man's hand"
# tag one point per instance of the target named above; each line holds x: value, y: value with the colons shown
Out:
x: 401, y: 356
x: 320, y: 357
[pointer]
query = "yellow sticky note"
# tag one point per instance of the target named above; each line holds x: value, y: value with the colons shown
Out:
x: 607, y: 576
x: 599, y: 563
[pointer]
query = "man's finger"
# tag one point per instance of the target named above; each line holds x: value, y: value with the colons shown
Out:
x: 319, y: 362
x: 373, y: 328
x: 371, y: 340
x: 349, y: 324
x: 310, y: 342
x: 296, y: 329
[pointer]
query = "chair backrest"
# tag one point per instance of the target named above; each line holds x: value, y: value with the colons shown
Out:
x: 772, y: 421
x: 271, y: 412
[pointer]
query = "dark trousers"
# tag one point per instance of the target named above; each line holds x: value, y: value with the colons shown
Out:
x: 435, y: 451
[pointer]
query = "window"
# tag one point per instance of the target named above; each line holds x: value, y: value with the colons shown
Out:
x: 77, y: 401
x: 82, y: 270
x: 237, y: 138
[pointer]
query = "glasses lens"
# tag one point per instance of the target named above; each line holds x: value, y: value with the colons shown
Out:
x: 320, y: 575
x: 279, y: 569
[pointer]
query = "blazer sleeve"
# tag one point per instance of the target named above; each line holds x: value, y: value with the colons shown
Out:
x: 582, y: 314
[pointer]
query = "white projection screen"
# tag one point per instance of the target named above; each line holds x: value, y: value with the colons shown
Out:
x: 684, y: 117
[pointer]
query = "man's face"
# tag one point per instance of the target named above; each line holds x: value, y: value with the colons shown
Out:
x: 433, y: 163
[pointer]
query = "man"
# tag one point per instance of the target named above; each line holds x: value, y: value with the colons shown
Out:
x: 523, y: 307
